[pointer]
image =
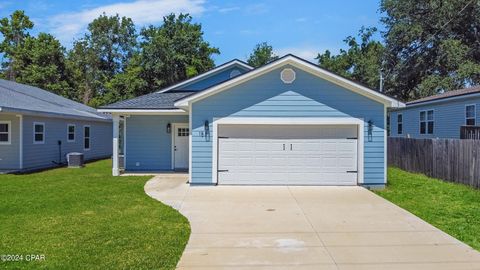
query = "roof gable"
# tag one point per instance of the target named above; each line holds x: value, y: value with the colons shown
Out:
x: 298, y: 63
x: 209, y: 78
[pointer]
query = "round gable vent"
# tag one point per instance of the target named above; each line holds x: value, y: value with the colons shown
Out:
x: 234, y: 73
x: 287, y: 75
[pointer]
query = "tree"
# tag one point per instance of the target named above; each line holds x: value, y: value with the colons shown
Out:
x: 262, y: 54
x: 173, y: 52
x: 431, y: 46
x: 100, y: 55
x: 362, y: 61
x: 14, y: 32
x: 40, y: 61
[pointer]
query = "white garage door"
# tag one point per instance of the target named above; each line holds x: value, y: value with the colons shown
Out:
x: 287, y: 155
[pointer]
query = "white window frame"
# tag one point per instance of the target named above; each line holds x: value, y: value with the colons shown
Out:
x: 398, y: 130
x: 89, y: 137
x: 474, y: 114
x: 35, y: 133
x: 9, y: 132
x: 74, y: 132
x: 426, y: 122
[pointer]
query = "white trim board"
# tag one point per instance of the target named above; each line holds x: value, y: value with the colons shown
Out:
x: 290, y: 121
x: 305, y: 66
x: 206, y: 74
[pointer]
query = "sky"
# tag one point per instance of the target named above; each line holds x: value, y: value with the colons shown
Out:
x: 301, y: 27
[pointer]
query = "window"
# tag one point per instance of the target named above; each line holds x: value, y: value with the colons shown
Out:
x: 70, y: 133
x: 5, y: 134
x: 470, y: 115
x: 38, y: 133
x: 182, y: 132
x: 86, y: 137
x: 426, y: 122
x: 400, y: 123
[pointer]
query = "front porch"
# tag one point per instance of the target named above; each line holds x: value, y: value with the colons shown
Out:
x: 150, y: 144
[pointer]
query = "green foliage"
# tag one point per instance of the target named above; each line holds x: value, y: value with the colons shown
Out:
x: 262, y: 54
x: 14, y: 32
x: 173, y: 52
x: 40, y: 61
x: 87, y: 219
x: 361, y: 62
x: 99, y: 56
x: 431, y: 46
x: 450, y: 207
x: 110, y: 62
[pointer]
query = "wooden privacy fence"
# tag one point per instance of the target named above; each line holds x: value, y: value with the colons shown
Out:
x: 453, y: 160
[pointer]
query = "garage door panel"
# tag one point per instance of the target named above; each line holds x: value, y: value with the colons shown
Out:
x: 324, y: 155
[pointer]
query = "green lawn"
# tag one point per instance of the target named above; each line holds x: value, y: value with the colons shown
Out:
x: 87, y: 219
x: 453, y: 208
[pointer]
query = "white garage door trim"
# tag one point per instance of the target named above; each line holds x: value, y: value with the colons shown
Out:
x: 287, y: 121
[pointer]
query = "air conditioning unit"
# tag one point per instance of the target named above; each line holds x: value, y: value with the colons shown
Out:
x: 75, y: 160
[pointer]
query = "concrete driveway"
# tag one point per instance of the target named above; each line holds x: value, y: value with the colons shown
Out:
x: 240, y: 227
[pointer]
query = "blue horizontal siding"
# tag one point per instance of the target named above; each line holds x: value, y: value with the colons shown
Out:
x: 307, y: 96
x: 448, y: 117
x: 148, y: 143
x: 43, y: 155
x: 10, y: 153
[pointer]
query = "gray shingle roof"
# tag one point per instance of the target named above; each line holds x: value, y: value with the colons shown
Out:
x: 16, y: 97
x: 448, y: 94
x: 160, y: 101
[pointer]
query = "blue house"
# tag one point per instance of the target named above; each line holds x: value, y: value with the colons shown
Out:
x: 38, y: 129
x: 439, y: 116
x: 289, y: 122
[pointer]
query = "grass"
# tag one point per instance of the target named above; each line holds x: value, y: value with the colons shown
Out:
x: 453, y: 208
x: 87, y: 219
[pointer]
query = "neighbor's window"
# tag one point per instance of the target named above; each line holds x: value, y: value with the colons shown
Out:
x: 86, y: 137
x: 426, y: 122
x: 71, y: 133
x: 5, y: 132
x: 470, y: 115
x: 38, y: 133
x: 400, y: 123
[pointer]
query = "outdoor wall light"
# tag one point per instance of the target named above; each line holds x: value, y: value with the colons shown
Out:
x: 169, y: 128
x: 370, y: 130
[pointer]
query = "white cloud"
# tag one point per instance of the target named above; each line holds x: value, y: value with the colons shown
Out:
x: 256, y: 9
x: 67, y: 26
x: 307, y: 53
x: 228, y: 9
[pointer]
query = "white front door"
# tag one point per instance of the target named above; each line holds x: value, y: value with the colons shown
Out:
x: 181, y: 134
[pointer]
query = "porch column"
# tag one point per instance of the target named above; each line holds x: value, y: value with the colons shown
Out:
x: 116, y: 127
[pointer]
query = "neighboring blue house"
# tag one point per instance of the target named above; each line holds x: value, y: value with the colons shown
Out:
x: 438, y: 116
x: 38, y: 128
x: 289, y: 122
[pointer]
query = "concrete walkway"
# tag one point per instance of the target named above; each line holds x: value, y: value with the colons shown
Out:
x: 240, y: 227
